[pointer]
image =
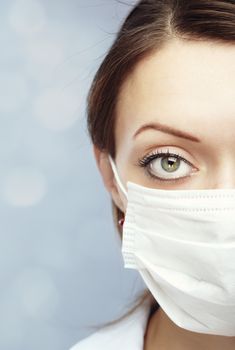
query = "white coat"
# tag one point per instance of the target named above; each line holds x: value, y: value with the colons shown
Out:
x: 125, y: 335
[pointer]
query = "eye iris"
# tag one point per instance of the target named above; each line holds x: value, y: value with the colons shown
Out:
x: 170, y: 164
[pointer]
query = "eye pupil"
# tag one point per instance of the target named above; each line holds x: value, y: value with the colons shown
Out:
x: 170, y: 164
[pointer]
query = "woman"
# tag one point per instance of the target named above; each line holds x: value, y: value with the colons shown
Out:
x: 161, y: 116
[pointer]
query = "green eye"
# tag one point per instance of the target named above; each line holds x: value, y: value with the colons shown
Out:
x: 158, y: 164
x: 170, y: 164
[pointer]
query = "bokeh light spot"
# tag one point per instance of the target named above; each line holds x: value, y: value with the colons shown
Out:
x: 27, y: 17
x: 24, y: 186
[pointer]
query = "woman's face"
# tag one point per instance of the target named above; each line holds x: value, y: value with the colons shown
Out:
x: 186, y: 92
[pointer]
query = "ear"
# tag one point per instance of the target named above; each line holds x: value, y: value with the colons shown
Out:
x: 109, y: 180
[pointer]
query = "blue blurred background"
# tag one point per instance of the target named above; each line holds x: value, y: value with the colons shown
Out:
x: 61, y: 266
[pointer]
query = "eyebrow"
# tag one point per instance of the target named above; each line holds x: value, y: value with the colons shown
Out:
x: 166, y: 129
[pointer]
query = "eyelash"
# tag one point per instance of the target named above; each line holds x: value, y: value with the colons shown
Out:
x: 147, y: 159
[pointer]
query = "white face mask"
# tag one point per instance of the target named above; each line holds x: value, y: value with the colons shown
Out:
x: 182, y: 242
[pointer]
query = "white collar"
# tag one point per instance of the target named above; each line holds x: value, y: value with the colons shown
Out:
x: 128, y: 333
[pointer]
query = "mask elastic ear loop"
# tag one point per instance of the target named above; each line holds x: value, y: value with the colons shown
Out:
x: 117, y: 176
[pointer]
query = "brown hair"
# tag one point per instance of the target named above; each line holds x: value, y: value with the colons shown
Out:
x: 147, y: 28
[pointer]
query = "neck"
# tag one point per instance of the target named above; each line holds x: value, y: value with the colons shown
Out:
x: 163, y: 334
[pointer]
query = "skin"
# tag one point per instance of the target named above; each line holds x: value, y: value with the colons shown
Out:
x: 190, y: 86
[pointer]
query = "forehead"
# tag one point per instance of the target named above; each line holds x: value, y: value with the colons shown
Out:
x: 183, y: 84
